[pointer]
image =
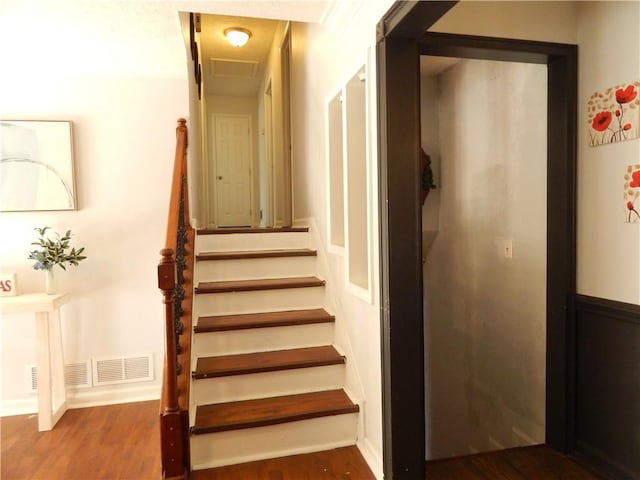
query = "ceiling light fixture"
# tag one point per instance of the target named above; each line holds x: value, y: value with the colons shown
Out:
x: 237, y: 36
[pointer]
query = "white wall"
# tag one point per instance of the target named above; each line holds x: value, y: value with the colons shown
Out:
x: 273, y: 74
x: 124, y: 102
x: 324, y: 59
x: 552, y: 21
x: 608, y: 253
x: 429, y: 135
x: 486, y: 314
x: 608, y: 248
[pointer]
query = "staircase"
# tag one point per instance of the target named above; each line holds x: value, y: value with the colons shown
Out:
x: 266, y: 379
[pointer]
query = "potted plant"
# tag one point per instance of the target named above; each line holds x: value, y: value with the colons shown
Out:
x: 56, y: 251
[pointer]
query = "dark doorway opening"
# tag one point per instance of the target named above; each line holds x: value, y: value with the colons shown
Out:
x: 401, y: 40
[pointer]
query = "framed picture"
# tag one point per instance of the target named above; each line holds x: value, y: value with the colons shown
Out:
x: 36, y: 166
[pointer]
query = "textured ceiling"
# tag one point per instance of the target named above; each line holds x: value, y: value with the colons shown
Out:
x: 215, y: 46
x: 131, y: 37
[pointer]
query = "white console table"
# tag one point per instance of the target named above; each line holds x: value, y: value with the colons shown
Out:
x: 52, y: 394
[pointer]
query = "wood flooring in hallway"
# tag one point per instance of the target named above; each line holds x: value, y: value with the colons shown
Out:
x: 116, y: 442
x: 526, y: 463
x: 121, y: 442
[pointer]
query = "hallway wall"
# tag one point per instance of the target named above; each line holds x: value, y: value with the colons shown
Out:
x: 325, y: 57
x: 608, y: 248
x: 123, y: 89
x: 485, y: 314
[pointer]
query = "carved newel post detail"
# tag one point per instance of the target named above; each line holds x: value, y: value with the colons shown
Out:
x: 167, y: 284
x: 171, y: 417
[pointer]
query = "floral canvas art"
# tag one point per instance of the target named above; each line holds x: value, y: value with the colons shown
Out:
x: 632, y: 194
x: 614, y: 114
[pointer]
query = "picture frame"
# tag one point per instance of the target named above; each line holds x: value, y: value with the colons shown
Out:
x: 36, y: 166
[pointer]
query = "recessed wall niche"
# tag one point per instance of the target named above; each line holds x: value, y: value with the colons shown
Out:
x: 336, y: 171
x: 355, y: 152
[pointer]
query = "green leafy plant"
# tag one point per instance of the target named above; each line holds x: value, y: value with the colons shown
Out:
x: 54, y: 251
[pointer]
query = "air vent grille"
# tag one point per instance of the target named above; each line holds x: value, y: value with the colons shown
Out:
x: 233, y: 68
x: 76, y: 375
x: 109, y: 371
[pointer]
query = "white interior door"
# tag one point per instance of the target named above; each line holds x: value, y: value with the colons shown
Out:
x: 233, y: 181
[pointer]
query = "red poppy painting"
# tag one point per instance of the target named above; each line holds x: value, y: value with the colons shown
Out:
x: 614, y: 114
x: 631, y: 196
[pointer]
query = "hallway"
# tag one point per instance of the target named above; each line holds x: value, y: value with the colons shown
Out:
x: 526, y: 463
x: 89, y: 444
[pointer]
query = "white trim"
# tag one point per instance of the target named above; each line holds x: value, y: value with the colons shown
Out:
x: 371, y: 457
x: 339, y: 13
x: 363, y: 293
x: 205, y: 180
x: 333, y: 247
x: 262, y: 456
x: 333, y: 304
x: 84, y: 398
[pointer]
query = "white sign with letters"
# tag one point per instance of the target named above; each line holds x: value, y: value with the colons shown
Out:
x: 7, y: 284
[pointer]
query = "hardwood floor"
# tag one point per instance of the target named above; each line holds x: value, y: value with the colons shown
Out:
x: 104, y: 443
x: 121, y: 442
x: 339, y: 464
x: 526, y: 463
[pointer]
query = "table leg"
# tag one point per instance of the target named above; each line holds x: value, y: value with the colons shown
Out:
x: 59, y: 403
x: 44, y: 371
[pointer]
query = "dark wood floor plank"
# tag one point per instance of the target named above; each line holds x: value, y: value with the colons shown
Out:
x: 242, y: 364
x: 104, y: 443
x: 226, y: 231
x: 271, y: 411
x: 526, y: 463
x: 221, y: 323
x: 250, y: 254
x: 338, y: 464
x: 260, y: 284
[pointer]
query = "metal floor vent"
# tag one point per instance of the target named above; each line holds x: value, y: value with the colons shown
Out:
x: 109, y: 371
x: 76, y: 375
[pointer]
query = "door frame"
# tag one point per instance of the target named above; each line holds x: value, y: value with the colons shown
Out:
x: 214, y: 164
x: 286, y: 54
x: 401, y: 39
x: 268, y: 150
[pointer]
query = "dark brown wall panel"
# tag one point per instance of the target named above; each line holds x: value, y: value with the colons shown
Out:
x: 608, y: 386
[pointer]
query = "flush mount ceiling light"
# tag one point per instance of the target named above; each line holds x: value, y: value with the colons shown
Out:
x: 237, y: 36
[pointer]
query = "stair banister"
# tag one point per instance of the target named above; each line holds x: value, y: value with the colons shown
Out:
x: 175, y: 281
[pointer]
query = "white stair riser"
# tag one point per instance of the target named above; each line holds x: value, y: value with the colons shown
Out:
x: 252, y: 241
x: 258, y: 301
x: 268, y: 384
x: 262, y: 339
x: 239, y: 446
x: 247, y: 269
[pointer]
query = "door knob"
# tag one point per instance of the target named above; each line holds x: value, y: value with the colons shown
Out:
x: 220, y: 177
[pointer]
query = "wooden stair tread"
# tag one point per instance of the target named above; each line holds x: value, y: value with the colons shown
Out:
x: 259, y: 284
x: 271, y: 411
x: 221, y: 323
x: 249, y: 254
x: 223, y: 231
x: 260, y: 362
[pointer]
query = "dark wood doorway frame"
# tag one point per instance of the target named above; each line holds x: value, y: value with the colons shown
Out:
x: 401, y: 39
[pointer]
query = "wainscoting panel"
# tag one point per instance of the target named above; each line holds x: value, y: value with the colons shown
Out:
x: 608, y: 386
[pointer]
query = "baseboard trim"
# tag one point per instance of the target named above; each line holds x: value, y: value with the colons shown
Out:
x: 371, y: 457
x: 262, y: 456
x: 84, y: 399
x: 601, y: 463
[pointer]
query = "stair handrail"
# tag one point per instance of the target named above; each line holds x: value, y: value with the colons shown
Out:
x: 175, y: 281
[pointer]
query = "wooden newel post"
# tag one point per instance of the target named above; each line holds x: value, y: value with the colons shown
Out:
x: 167, y: 284
x: 171, y: 419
